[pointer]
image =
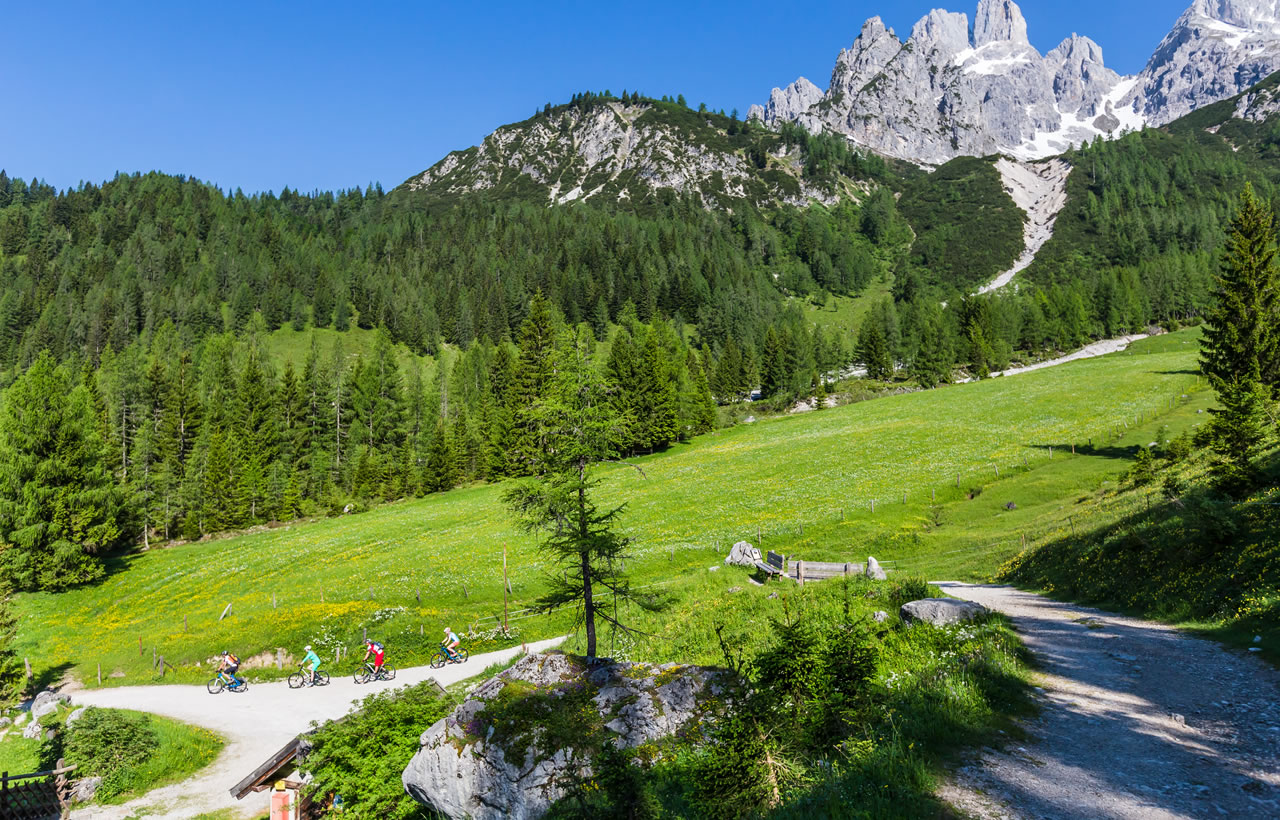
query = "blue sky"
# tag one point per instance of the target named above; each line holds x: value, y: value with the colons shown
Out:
x: 331, y: 95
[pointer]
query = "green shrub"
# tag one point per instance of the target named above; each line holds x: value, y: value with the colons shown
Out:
x: 362, y: 757
x: 905, y: 590
x: 110, y: 744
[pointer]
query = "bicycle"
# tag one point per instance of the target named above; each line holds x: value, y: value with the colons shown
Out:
x: 442, y: 657
x: 366, y: 673
x: 297, y: 679
x: 222, y: 681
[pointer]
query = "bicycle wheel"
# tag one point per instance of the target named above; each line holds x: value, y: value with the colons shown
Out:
x: 361, y: 675
x: 438, y: 660
x: 388, y: 672
x: 462, y: 655
x: 242, y: 686
x: 215, y: 686
x: 322, y: 679
x: 295, y: 680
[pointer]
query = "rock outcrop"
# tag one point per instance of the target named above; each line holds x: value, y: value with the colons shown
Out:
x: 625, y: 151
x: 742, y: 555
x: 494, y: 758
x: 952, y: 89
x: 941, y: 611
x: 1216, y: 49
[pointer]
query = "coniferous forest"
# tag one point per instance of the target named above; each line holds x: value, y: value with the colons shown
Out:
x: 142, y: 400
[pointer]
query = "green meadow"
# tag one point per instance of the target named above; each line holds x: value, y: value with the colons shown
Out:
x: 805, y: 483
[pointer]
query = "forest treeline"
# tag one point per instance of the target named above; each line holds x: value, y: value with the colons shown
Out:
x: 165, y: 441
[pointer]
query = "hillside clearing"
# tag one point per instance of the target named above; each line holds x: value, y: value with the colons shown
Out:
x: 805, y: 483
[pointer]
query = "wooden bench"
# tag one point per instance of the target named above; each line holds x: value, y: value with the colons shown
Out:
x: 803, y: 571
x: 774, y: 564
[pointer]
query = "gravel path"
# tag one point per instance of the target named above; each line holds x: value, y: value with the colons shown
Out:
x: 256, y: 724
x: 1139, y: 720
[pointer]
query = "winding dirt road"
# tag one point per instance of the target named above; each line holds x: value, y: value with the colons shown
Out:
x: 1138, y: 720
x: 256, y: 724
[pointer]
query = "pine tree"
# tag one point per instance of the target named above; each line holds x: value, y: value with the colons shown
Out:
x: 1239, y: 429
x: 219, y: 510
x: 59, y: 508
x: 533, y: 375
x: 579, y: 537
x: 256, y: 440
x: 873, y: 351
x: 439, y: 472
x: 773, y: 374
x: 1243, y: 329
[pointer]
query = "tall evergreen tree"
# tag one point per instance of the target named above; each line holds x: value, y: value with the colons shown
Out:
x: 1243, y: 328
x: 59, y: 509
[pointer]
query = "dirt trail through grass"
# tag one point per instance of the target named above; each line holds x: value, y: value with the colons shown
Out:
x: 1139, y: 720
x: 256, y: 724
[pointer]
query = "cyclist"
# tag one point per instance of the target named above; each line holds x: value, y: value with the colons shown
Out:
x: 229, y: 663
x: 450, y: 643
x: 379, y: 654
x: 312, y: 661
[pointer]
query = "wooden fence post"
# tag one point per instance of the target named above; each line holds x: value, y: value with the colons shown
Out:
x: 99, y: 673
x: 337, y: 655
x: 162, y: 666
x: 997, y: 473
x: 873, y: 506
x: 933, y: 494
x: 140, y: 649
x: 904, y: 497
x: 957, y: 481
x: 27, y: 663
x: 366, y: 633
x: 420, y: 632
x: 273, y: 600
x: 465, y: 594
x: 800, y: 572
x: 220, y: 617
x: 418, y: 594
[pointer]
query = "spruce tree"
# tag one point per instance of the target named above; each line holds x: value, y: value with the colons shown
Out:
x: 873, y: 351
x: 59, y: 508
x: 219, y: 510
x: 1243, y: 328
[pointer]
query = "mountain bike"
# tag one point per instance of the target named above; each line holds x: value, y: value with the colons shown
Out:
x: 366, y: 673
x: 442, y: 657
x: 223, y: 681
x: 299, y: 678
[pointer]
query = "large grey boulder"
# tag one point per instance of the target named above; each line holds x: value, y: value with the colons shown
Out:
x: 471, y: 765
x: 85, y: 789
x: 74, y: 716
x: 742, y: 555
x: 33, y: 730
x: 941, y: 611
x: 40, y: 705
x: 874, y: 571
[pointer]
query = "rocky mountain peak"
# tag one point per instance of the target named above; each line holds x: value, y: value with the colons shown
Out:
x: 999, y: 21
x: 944, y: 31
x: 952, y: 91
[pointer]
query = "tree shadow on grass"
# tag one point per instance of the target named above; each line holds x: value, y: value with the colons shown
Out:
x: 47, y: 677
x: 1115, y: 451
